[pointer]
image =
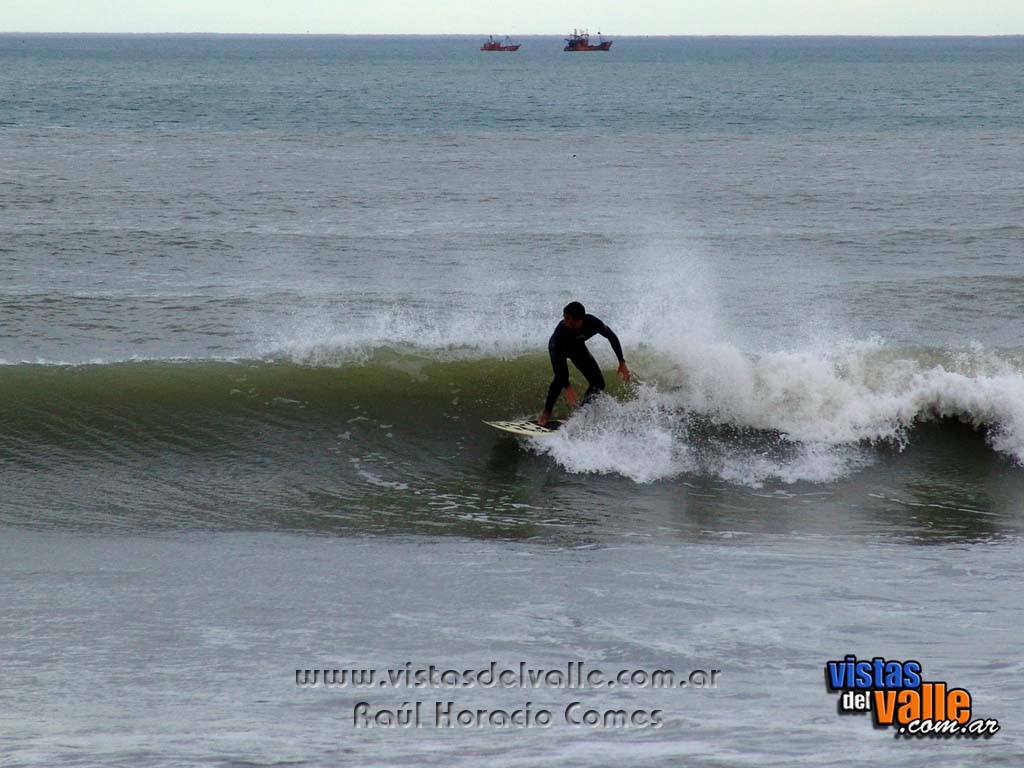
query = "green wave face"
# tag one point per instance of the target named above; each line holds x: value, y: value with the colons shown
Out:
x: 393, y: 444
x: 142, y: 402
x: 396, y: 444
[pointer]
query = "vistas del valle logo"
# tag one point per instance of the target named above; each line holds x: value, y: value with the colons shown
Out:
x: 897, y: 697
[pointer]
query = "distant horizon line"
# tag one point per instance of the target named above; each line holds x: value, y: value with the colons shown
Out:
x: 517, y: 34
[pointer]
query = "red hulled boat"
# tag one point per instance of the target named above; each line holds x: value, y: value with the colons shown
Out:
x: 503, y: 45
x: 580, y: 41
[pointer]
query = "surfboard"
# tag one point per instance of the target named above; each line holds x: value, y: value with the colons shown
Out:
x: 524, y: 427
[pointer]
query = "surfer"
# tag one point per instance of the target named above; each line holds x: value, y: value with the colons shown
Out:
x: 569, y: 342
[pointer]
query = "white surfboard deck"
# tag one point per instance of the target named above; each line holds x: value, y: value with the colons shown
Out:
x: 525, y: 428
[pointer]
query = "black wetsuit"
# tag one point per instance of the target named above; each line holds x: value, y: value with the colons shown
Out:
x: 572, y: 345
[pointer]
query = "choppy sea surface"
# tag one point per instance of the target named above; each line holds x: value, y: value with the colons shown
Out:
x: 257, y: 295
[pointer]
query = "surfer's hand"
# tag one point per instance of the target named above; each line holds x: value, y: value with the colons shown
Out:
x: 542, y: 420
x: 624, y: 371
x: 570, y: 396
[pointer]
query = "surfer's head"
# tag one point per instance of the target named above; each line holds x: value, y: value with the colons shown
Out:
x: 572, y: 315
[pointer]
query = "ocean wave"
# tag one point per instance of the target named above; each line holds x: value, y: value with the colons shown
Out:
x: 820, y: 415
x: 697, y: 409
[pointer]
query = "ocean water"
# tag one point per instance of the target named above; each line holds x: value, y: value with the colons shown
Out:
x: 258, y: 293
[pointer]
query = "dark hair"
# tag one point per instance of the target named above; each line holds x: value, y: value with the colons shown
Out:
x: 574, y: 309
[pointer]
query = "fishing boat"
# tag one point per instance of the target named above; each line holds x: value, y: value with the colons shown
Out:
x: 499, y: 45
x: 579, y: 40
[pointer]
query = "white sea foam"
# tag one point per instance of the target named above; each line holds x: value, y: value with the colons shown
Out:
x: 792, y: 416
x: 444, y: 332
x: 637, y: 438
x: 823, y: 401
x: 820, y: 404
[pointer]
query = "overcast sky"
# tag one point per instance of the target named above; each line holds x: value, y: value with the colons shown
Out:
x: 621, y: 17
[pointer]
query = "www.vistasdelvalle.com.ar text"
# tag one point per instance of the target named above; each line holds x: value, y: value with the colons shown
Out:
x: 575, y: 676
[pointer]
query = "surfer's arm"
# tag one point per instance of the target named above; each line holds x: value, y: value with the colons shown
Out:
x: 608, y: 333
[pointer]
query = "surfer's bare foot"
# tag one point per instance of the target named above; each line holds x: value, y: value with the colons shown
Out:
x: 542, y: 420
x: 571, y: 397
